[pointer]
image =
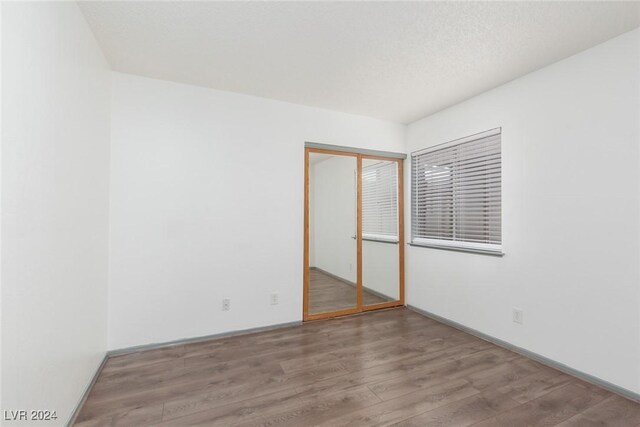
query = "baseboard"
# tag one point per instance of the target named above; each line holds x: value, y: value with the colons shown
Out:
x: 535, y: 356
x: 154, y: 346
x: 85, y: 395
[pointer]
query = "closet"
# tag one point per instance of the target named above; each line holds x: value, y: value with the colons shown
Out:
x: 353, y: 231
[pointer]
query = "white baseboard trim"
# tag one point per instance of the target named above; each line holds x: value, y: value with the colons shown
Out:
x: 629, y: 394
x: 135, y: 349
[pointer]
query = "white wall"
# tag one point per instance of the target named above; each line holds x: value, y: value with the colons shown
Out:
x: 55, y: 157
x: 207, y: 203
x: 332, y: 196
x: 570, y: 215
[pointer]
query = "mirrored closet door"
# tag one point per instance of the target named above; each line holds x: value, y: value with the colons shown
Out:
x: 353, y: 233
x: 333, y: 252
x: 380, y: 232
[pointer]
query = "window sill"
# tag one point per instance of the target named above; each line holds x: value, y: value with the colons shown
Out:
x: 380, y: 239
x: 374, y: 239
x: 490, y: 252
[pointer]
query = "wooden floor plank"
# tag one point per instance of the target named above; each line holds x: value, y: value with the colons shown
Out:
x: 415, y: 381
x: 615, y: 411
x: 538, y: 384
x: 140, y: 416
x: 319, y: 410
x: 504, y: 374
x: 396, y: 410
x: 205, y: 409
x: 548, y: 410
x: 463, y: 412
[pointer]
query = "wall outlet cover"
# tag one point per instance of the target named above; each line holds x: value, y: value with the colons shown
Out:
x: 518, y: 315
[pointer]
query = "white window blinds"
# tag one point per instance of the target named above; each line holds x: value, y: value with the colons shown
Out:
x: 380, y: 200
x: 456, y: 194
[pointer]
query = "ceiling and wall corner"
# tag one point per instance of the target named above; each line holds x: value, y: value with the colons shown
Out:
x: 398, y: 61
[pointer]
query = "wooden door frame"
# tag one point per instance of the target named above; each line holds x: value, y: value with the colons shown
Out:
x: 359, y: 308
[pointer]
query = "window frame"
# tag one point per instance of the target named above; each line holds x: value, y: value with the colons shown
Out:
x: 452, y: 244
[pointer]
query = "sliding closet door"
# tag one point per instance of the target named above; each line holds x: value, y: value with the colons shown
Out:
x: 381, y: 232
x: 354, y: 255
x: 332, y: 228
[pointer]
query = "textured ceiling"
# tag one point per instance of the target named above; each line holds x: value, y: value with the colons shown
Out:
x: 391, y: 60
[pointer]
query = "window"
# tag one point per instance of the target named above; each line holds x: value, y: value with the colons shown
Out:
x: 456, y: 194
x: 379, y: 200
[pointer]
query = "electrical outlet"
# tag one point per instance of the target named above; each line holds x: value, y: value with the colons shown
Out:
x: 226, y: 304
x: 518, y: 315
x: 274, y: 299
